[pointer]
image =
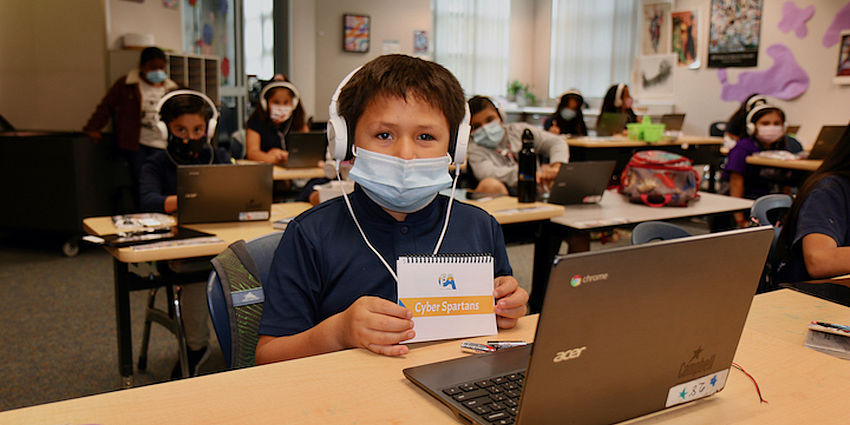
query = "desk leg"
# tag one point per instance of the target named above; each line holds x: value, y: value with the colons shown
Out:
x: 712, y: 171
x: 122, y: 318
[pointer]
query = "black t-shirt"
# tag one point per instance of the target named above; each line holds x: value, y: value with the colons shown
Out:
x: 270, y: 134
x: 827, y: 211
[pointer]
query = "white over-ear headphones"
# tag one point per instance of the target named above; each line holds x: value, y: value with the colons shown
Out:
x: 751, y: 126
x: 295, y: 96
x: 163, y: 127
x: 338, y: 143
x: 755, y: 101
x: 618, y: 96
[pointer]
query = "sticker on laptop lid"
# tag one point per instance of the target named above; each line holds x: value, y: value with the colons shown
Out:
x: 591, y: 199
x: 697, y: 388
x: 253, y: 215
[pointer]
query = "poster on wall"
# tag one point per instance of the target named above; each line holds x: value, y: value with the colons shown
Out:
x: 842, y: 74
x: 420, y: 42
x: 684, y: 40
x: 355, y: 33
x: 655, y: 29
x: 655, y: 76
x: 733, y: 38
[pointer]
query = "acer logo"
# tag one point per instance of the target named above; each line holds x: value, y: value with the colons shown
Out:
x: 574, y: 353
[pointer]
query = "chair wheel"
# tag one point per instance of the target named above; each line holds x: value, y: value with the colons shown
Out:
x: 71, y: 247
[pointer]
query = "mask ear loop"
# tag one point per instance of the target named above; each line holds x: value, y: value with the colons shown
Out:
x: 357, y: 223
x: 448, y: 209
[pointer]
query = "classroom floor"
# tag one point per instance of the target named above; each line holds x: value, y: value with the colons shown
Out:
x: 58, y: 321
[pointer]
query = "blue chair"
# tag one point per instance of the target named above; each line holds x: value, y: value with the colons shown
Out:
x: 262, y: 251
x: 769, y: 211
x: 649, y: 231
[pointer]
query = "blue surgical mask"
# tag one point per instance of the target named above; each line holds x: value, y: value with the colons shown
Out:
x: 568, y: 114
x: 156, y: 76
x: 489, y: 135
x: 398, y: 184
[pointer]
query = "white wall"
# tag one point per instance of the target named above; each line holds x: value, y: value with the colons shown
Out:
x: 53, y: 66
x: 149, y: 17
x: 390, y: 20
x: 542, y: 25
x: 522, y: 38
x: 698, y: 92
x: 302, y: 69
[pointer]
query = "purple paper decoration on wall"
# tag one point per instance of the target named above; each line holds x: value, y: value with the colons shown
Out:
x: 785, y: 79
x: 794, y: 18
x: 840, y: 22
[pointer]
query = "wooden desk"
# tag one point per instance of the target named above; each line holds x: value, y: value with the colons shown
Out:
x: 615, y: 211
x: 356, y: 386
x: 284, y: 173
x: 700, y: 150
x: 126, y: 281
x: 795, y: 164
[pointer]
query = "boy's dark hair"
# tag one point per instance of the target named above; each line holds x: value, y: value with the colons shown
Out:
x: 183, y: 104
x: 402, y: 76
x: 151, y: 53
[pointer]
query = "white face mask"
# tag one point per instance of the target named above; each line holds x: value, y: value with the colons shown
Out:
x: 489, y: 135
x: 769, y: 133
x: 280, y: 113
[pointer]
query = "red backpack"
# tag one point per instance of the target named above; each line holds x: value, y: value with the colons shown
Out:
x: 658, y: 178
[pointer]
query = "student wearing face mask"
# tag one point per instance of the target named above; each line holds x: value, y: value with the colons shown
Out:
x: 130, y: 103
x: 618, y: 99
x: 279, y: 112
x: 765, y: 131
x: 568, y: 118
x: 494, y: 149
x: 189, y: 121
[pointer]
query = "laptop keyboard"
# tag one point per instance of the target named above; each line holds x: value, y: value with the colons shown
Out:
x: 494, y: 400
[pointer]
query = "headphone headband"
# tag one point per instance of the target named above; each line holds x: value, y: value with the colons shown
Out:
x: 275, y: 84
x: 573, y: 91
x: 751, y: 126
x: 618, y: 96
x: 212, y: 123
x: 755, y: 100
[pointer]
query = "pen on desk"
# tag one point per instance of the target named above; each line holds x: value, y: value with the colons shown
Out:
x: 506, y: 344
x: 474, y: 346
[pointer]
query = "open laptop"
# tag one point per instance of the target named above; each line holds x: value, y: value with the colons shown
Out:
x: 673, y: 122
x: 306, y: 149
x: 827, y: 139
x: 623, y: 332
x: 223, y: 192
x: 581, y: 182
x: 610, y: 124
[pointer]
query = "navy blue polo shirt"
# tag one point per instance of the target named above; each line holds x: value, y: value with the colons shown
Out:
x: 322, y: 265
x: 827, y: 211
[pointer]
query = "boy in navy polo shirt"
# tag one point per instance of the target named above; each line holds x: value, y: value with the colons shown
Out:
x: 327, y: 289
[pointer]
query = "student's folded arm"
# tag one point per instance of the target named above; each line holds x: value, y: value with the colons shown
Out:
x: 823, y: 257
x: 551, y: 145
x: 483, y: 166
x: 322, y: 338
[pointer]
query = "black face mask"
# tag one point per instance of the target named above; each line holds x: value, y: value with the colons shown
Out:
x: 185, y: 151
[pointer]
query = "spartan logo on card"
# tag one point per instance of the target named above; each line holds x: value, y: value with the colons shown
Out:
x: 697, y: 363
x: 446, y: 281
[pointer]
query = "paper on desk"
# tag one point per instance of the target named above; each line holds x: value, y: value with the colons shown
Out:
x: 450, y: 297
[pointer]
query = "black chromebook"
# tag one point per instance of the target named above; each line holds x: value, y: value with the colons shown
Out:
x: 623, y: 333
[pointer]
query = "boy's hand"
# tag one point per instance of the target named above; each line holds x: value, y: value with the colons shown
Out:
x: 377, y: 325
x: 510, y: 301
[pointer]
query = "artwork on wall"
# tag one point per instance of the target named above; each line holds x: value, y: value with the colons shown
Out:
x: 842, y: 73
x: 655, y: 29
x: 684, y: 40
x: 840, y: 22
x: 785, y: 79
x: 355, y: 33
x: 171, y: 4
x: 794, y: 18
x: 734, y: 33
x: 655, y: 76
x: 420, y: 42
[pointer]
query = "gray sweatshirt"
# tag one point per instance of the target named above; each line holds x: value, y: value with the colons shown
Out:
x: 501, y: 162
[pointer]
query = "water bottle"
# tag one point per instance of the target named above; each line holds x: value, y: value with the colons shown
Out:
x: 527, y: 172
